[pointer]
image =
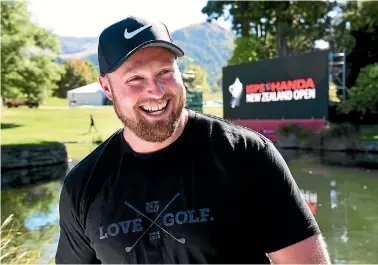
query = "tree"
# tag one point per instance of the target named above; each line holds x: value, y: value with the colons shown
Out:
x: 289, y: 26
x: 338, y: 34
x: 76, y: 73
x: 363, y: 27
x: 251, y: 48
x: 200, y: 78
x: 217, y: 86
x: 363, y: 97
x: 27, y: 54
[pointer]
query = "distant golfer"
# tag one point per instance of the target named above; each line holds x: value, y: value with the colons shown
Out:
x: 92, y: 124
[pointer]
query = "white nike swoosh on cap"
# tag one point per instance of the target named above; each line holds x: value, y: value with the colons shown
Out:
x: 129, y: 35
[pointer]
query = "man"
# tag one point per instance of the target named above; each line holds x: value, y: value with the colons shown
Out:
x: 92, y: 124
x: 175, y: 185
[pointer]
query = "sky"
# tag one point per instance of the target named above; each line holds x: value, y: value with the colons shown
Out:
x: 85, y: 18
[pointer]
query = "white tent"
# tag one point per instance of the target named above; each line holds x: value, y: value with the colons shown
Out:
x: 91, y: 94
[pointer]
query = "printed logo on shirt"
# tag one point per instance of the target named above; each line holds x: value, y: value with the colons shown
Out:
x: 152, y: 207
x: 158, y: 225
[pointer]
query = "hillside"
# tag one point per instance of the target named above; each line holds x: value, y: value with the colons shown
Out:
x: 205, y: 44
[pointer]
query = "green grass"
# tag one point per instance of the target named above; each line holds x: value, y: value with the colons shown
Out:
x: 369, y: 132
x: 63, y: 124
x: 25, y: 125
x: 371, y: 138
x: 216, y: 111
x: 212, y: 96
x: 37, y: 126
x: 55, y: 102
x: 79, y: 151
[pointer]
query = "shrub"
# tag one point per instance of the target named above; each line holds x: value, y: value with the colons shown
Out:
x: 364, y: 96
x: 289, y: 128
x: 294, y: 129
x: 341, y: 130
x: 304, y: 133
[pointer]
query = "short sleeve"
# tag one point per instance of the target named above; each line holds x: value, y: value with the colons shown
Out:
x: 284, y: 216
x: 73, y: 245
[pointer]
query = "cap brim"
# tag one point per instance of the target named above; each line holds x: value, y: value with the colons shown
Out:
x: 177, y: 52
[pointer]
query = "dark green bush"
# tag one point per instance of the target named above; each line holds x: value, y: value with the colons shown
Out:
x: 341, y: 130
x: 295, y: 129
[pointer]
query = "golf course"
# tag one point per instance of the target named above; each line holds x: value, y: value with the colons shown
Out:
x: 56, y: 122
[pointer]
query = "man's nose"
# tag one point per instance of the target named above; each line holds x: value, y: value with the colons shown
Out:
x: 155, y: 89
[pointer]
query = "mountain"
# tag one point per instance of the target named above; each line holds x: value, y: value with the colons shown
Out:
x: 77, y: 47
x: 206, y: 44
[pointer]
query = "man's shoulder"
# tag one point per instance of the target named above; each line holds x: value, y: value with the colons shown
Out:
x: 223, y: 130
x: 79, y: 175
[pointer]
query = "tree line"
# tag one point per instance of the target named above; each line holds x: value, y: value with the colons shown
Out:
x: 268, y: 29
x: 29, y: 58
x: 30, y: 64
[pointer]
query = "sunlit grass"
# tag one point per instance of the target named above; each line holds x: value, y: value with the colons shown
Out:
x: 25, y: 125
x: 216, y: 111
x: 55, y: 102
x: 212, y: 96
x: 66, y: 125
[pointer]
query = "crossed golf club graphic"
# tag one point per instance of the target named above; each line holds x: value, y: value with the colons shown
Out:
x: 153, y: 222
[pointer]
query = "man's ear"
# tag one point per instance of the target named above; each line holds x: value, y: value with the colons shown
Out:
x: 105, y: 84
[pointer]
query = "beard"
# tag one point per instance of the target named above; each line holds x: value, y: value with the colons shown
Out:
x: 152, y: 131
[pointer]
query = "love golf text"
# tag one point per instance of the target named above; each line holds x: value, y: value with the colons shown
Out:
x: 168, y: 219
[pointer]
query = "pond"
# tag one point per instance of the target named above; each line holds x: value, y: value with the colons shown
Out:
x: 341, y: 190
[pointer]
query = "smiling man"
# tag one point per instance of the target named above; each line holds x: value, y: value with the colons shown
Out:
x: 174, y: 185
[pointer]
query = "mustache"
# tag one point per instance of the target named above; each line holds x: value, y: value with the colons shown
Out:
x: 154, y: 101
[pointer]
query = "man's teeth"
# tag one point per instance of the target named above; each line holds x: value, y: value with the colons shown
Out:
x: 155, y: 108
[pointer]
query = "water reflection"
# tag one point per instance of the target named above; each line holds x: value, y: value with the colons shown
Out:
x: 346, y: 203
x: 343, y: 199
x: 35, y: 207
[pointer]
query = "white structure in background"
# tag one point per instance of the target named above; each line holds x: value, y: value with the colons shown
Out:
x: 91, y: 95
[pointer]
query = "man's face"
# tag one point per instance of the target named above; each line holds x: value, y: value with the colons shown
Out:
x: 148, y: 94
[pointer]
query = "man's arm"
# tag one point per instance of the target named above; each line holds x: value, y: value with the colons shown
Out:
x: 312, y: 250
x: 288, y: 230
x: 73, y: 246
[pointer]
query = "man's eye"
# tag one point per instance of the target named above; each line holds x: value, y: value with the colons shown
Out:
x: 136, y: 78
x: 166, y: 71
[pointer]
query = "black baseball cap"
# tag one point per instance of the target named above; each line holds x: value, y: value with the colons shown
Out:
x: 122, y: 39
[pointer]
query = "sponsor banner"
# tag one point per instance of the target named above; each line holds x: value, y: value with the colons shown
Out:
x: 294, y: 87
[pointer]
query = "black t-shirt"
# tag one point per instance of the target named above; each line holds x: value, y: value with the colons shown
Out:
x: 220, y: 193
